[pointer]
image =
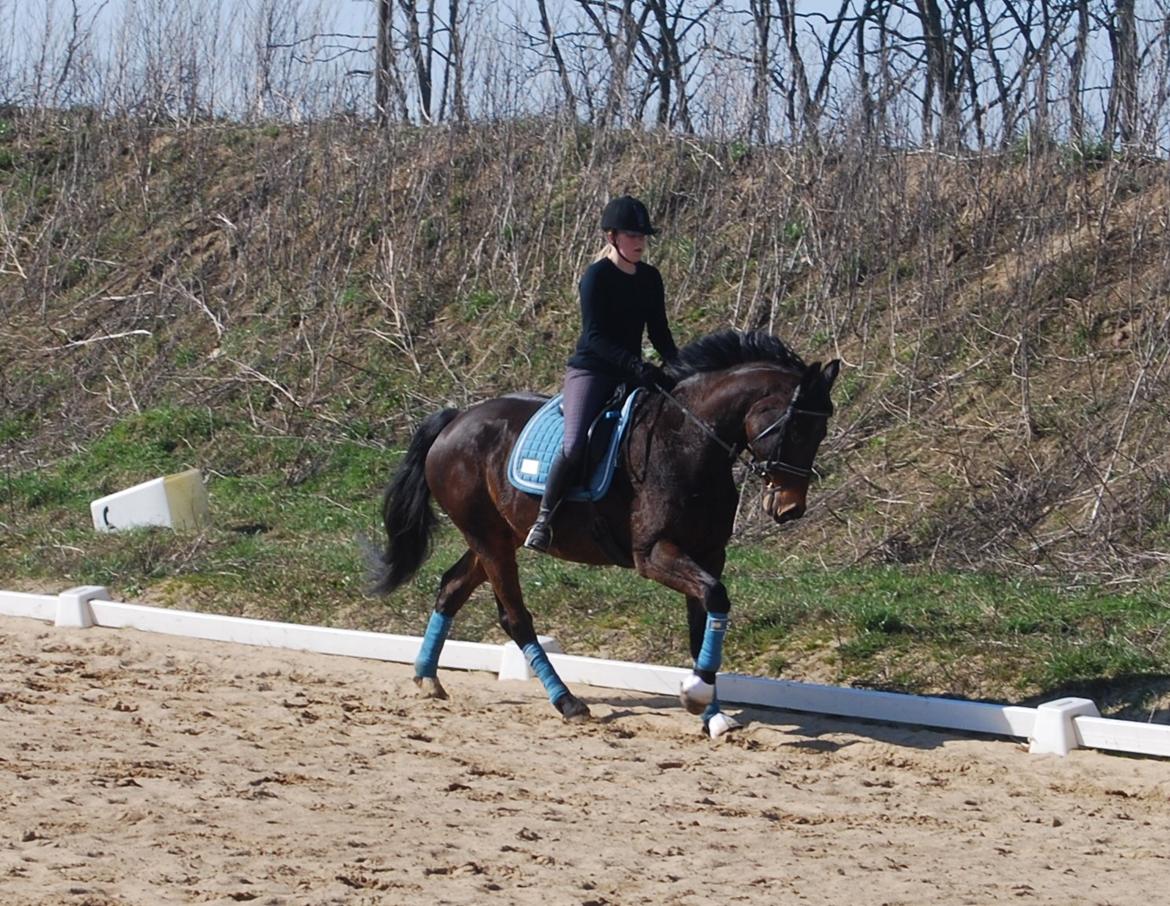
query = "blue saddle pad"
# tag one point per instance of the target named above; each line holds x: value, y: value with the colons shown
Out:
x: 538, y: 443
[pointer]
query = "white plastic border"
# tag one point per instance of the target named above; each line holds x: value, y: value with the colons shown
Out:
x: 1054, y: 727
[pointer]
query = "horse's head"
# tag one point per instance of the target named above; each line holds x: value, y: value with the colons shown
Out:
x: 784, y: 430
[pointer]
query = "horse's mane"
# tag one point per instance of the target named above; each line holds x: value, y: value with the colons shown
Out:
x: 727, y: 348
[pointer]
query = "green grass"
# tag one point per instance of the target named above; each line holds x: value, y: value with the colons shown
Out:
x: 284, y: 545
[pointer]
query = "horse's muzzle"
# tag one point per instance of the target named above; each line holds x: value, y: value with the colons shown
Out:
x: 784, y: 505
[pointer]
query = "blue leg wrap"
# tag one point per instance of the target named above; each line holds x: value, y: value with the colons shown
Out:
x: 711, y: 710
x: 427, y: 662
x: 711, y: 654
x: 543, y: 668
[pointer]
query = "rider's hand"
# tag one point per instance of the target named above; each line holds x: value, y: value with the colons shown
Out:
x: 651, y: 376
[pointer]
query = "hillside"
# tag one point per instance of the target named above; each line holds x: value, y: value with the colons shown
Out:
x: 1002, y: 320
x: 251, y: 301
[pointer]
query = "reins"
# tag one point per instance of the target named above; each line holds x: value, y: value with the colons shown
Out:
x: 737, y: 452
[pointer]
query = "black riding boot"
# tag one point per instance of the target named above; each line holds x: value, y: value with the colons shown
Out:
x: 559, y: 474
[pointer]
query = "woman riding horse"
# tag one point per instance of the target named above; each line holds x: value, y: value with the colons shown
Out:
x: 668, y: 514
x: 621, y: 296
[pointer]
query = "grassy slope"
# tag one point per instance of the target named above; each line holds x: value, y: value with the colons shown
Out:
x: 280, y: 307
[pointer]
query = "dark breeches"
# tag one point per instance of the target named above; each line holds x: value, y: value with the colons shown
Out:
x: 585, y: 392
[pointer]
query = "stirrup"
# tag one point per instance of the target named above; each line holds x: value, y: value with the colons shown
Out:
x: 539, y: 536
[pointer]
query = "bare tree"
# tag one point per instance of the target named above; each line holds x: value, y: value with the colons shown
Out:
x: 670, y: 58
x: 804, y: 101
x: 1030, y: 31
x: 941, y: 76
x: 383, y: 63
x: 879, y: 83
x: 420, y: 28
x: 864, y: 88
x: 958, y: 73
x: 390, y: 96
x: 550, y: 37
x: 620, y: 41
x: 761, y: 16
x: 79, y: 34
x: 9, y: 71
x: 1121, y: 116
x: 1159, y: 69
x: 1078, y: 130
x: 989, y: 24
x: 455, y: 63
x: 796, y: 91
x: 428, y: 43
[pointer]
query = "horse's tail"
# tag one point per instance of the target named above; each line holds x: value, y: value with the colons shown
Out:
x: 406, y: 509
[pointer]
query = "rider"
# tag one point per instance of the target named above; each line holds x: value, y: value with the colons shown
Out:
x: 621, y: 296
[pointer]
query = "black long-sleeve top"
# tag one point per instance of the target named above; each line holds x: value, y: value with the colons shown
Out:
x: 615, y: 309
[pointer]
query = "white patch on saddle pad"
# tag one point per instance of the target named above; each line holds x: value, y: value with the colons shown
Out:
x: 530, y: 467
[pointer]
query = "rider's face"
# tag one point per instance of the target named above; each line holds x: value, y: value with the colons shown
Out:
x: 631, y: 245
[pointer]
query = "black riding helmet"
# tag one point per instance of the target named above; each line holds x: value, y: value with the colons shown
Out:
x: 629, y: 214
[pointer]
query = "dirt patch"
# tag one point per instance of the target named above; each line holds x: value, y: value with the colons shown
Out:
x: 142, y: 769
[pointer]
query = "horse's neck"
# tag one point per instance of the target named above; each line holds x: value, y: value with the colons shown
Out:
x: 722, y: 399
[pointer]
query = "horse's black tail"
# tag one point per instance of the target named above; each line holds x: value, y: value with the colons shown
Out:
x: 406, y: 509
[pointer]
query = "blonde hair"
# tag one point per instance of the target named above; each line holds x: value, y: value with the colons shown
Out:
x: 604, y: 253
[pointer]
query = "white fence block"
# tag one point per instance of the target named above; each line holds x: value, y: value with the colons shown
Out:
x: 73, y: 606
x: 175, y: 501
x: 1055, y: 731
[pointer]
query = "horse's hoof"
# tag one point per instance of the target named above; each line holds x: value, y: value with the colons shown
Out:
x: 721, y: 723
x: 573, y: 710
x: 696, y: 694
x: 430, y: 687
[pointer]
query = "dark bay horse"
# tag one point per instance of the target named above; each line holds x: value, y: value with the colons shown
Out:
x: 668, y: 513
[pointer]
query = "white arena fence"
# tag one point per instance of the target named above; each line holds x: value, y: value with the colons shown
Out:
x: 1054, y: 727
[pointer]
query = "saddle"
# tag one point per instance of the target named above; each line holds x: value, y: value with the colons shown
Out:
x: 540, y: 440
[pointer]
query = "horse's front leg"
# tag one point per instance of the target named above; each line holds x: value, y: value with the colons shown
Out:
x: 516, y: 621
x: 708, y: 608
x: 693, y: 694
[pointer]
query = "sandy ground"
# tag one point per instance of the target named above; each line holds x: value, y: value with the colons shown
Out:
x: 140, y: 769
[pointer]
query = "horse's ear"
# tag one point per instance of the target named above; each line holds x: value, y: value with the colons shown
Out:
x: 831, y: 371
x: 811, y: 373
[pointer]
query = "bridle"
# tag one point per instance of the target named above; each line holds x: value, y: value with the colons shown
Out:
x: 781, y: 425
x: 761, y: 468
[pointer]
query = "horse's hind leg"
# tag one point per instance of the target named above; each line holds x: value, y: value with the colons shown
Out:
x: 516, y: 621
x: 455, y: 588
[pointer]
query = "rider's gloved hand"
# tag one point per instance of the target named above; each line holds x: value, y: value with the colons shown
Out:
x: 651, y: 376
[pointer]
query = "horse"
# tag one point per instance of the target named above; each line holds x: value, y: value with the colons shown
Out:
x: 669, y: 512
